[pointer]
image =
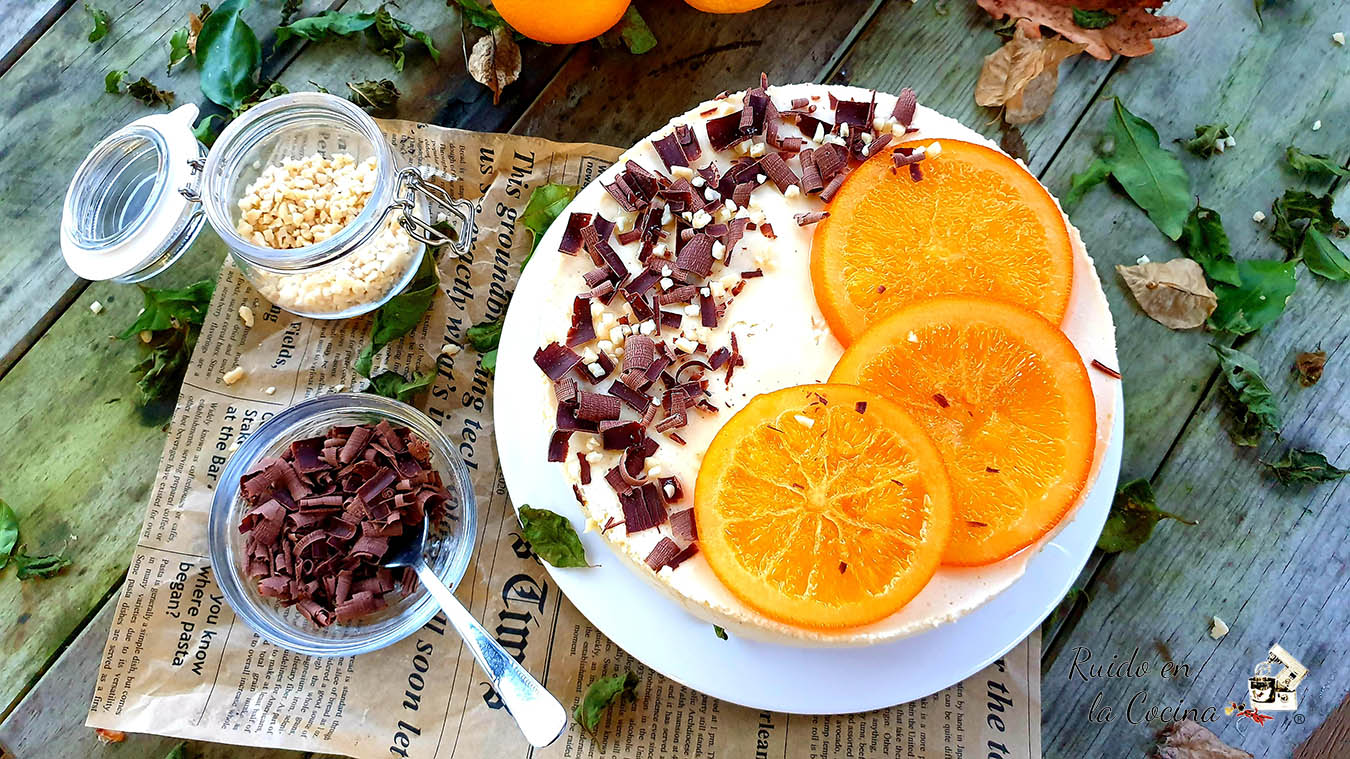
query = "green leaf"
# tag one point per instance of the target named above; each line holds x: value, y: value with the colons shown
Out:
x: 600, y: 694
x: 1209, y: 140
x: 1153, y: 178
x: 552, y: 537
x: 1298, y: 210
x: 485, y: 337
x: 719, y: 632
x: 489, y: 362
x: 101, y: 23
x: 546, y: 202
x: 635, y: 32
x: 1300, y: 466
x: 1313, y: 163
x: 178, y: 48
x: 1204, y: 240
x: 1134, y: 512
x: 112, y: 83
x: 145, y: 91
x: 168, y: 308
x: 373, y: 96
x: 402, y: 313
x: 1247, y: 395
x: 477, y: 15
x: 178, y: 752
x: 394, y: 385
x: 1322, y: 257
x: 385, y: 32
x: 229, y: 55
x: 1260, y: 298
x: 1081, y: 183
x: 33, y: 567
x: 1092, y: 19
x: 9, y: 532
x: 329, y: 25
x: 207, y: 130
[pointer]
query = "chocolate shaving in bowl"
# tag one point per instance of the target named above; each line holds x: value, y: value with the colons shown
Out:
x: 309, y: 551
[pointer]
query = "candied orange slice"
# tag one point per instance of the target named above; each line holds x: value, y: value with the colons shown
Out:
x: 1006, y: 399
x: 823, y: 506
x: 976, y: 224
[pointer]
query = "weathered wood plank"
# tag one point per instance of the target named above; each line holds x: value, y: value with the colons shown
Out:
x: 50, y: 722
x: 25, y: 21
x: 605, y: 96
x: 1271, y: 561
x: 938, y: 48
x: 54, y: 108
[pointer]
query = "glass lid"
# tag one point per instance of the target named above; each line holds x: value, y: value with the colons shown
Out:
x: 131, y: 208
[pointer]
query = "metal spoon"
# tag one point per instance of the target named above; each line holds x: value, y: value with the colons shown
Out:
x: 540, y: 717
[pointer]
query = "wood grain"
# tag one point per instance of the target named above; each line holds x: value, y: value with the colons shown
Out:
x: 25, y: 21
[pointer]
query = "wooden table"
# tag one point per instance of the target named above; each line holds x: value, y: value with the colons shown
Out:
x: 78, y: 458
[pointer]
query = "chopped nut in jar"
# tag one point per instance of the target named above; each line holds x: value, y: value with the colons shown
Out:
x: 301, y: 202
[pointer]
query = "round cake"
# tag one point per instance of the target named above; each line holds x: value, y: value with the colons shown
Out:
x: 622, y: 312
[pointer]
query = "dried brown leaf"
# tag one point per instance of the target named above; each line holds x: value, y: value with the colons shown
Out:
x: 195, y: 27
x: 1308, y: 366
x: 1131, y: 35
x: 495, y: 61
x: 1011, y: 70
x: 1189, y: 739
x: 1174, y: 294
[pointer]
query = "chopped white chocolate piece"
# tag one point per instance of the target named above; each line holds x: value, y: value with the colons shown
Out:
x: 246, y: 316
x: 233, y: 375
x: 96, y: 307
x: 1217, y: 628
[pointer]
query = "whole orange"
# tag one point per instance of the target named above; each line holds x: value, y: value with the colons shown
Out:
x: 727, y: 6
x: 561, y: 22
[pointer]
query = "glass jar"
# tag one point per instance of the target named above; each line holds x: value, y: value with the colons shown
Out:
x: 317, y: 210
x: 448, y: 548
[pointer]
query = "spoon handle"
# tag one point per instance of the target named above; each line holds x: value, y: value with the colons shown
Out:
x: 540, y: 717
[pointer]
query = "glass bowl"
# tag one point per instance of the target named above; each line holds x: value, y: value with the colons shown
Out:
x: 447, y: 553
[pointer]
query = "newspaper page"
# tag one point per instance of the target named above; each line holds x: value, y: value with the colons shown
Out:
x: 178, y: 662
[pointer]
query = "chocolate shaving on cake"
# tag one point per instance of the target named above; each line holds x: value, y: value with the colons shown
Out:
x: 696, y: 255
x: 627, y: 199
x: 810, y: 218
x: 811, y: 181
x: 582, y: 330
x: 778, y: 171
x: 583, y: 468
x: 593, y: 407
x: 662, y: 554
x: 596, y: 276
x: 860, y: 407
x: 620, y: 435
x: 565, y: 391
x: 724, y: 131
x: 856, y: 112
x: 832, y: 188
x: 557, y: 446
x: 571, y: 239
x: 767, y: 231
x: 635, y: 399
x: 671, y: 490
x: 1104, y: 369
x: 601, y: 251
x: 707, y: 307
x: 684, y: 555
x: 688, y: 142
x: 670, y: 151
x: 554, y: 359
x: 306, y: 551
x: 905, y: 105
x: 682, y: 525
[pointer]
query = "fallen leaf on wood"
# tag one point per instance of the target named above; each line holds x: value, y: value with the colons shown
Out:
x: 1022, y: 75
x: 1131, y: 34
x: 110, y: 736
x: 1299, y: 466
x: 1308, y: 366
x: 495, y: 61
x: 1189, y: 739
x: 195, y: 27
x: 1174, y: 294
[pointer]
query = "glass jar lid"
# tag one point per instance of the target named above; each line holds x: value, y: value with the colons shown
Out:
x: 130, y: 210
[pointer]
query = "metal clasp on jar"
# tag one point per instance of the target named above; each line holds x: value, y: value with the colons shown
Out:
x: 460, y: 212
